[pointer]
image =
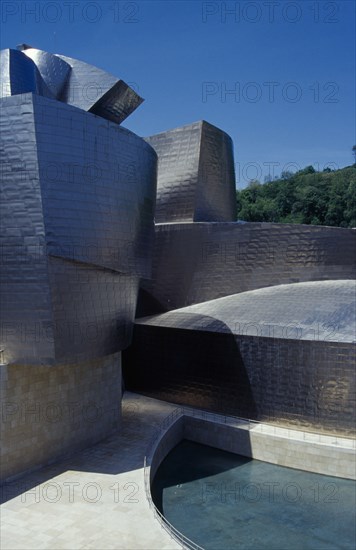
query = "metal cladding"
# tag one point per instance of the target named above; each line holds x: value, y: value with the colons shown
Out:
x: 196, y: 178
x: 195, y: 262
x: 54, y: 71
x: 77, y: 228
x: 20, y: 75
x: 78, y: 234
x: 68, y: 80
x: 320, y: 310
x: 99, y: 92
x: 284, y: 354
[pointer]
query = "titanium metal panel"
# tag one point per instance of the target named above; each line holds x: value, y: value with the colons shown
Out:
x: 216, y: 192
x: 74, y: 239
x: 195, y: 262
x: 291, y: 383
x: 196, y: 179
x: 178, y: 168
x: 54, y: 71
x: 98, y: 184
x: 319, y: 310
x: 24, y: 291
x: 117, y: 103
x: 93, y: 309
x: 284, y: 355
x: 95, y: 90
x: 19, y: 75
x: 68, y: 80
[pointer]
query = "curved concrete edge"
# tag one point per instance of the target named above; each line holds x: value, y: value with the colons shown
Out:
x: 320, y: 454
x: 97, y: 499
x: 94, y: 498
x: 317, y: 453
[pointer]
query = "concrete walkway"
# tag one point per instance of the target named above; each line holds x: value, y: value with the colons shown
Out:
x: 94, y: 499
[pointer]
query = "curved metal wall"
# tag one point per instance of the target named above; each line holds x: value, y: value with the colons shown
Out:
x: 77, y: 230
x: 299, y: 383
x: 195, y: 262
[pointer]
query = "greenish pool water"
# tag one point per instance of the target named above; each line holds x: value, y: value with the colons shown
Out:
x: 225, y: 501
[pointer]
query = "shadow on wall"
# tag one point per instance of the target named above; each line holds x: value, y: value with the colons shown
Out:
x: 147, y: 304
x: 108, y: 456
x: 194, y: 462
x: 190, y: 368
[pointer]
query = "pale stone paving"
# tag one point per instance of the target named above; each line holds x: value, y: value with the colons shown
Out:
x: 94, y: 499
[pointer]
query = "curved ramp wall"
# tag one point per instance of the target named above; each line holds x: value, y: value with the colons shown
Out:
x: 284, y: 354
x: 195, y: 262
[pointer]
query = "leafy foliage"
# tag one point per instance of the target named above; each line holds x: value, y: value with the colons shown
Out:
x: 308, y: 197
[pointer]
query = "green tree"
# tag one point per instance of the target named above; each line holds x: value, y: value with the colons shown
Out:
x: 308, y: 196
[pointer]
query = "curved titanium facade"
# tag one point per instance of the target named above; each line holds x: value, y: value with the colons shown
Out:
x: 20, y: 75
x: 195, y: 262
x: 77, y: 230
x: 79, y: 195
x: 54, y: 71
x: 99, y: 92
x: 196, y: 177
x: 284, y: 354
x: 68, y: 80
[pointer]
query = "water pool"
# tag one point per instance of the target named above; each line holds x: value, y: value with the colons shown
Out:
x: 225, y: 501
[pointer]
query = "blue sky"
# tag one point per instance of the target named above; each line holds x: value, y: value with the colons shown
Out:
x: 277, y: 76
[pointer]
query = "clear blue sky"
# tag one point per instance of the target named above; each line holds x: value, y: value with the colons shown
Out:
x: 291, y: 65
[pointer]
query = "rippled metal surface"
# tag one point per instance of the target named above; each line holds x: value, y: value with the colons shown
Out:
x: 320, y: 310
x: 95, y: 90
x: 195, y: 262
x: 77, y: 212
x: 196, y: 178
x: 282, y: 355
x: 68, y: 80
x: 54, y: 71
x: 20, y: 75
